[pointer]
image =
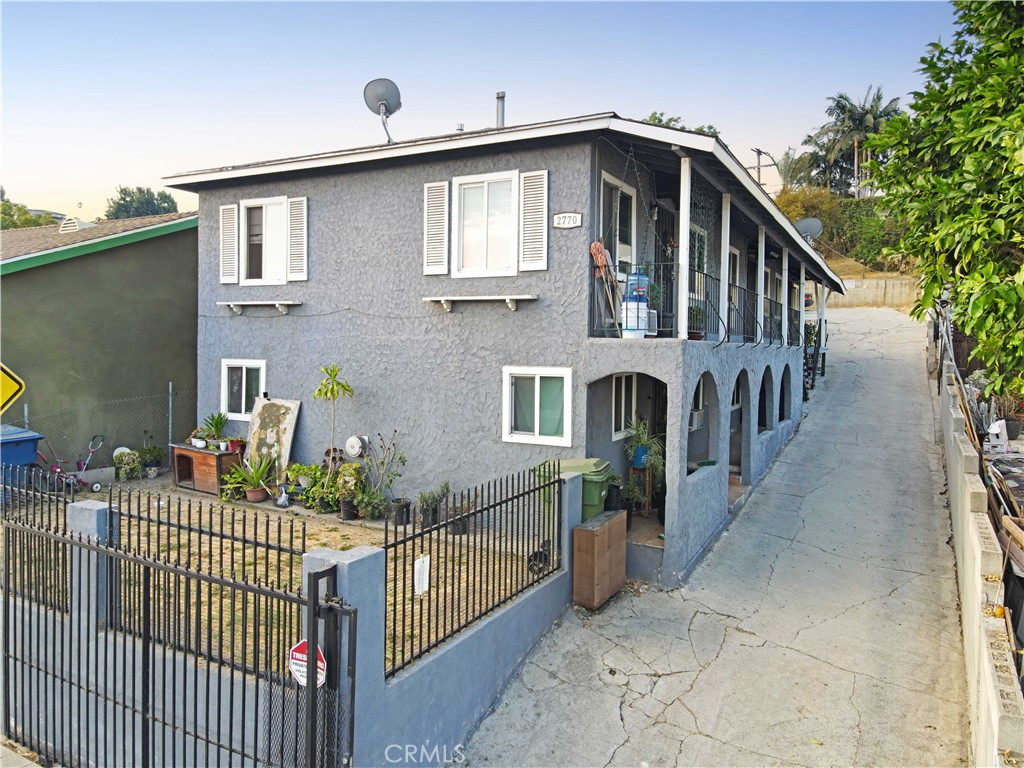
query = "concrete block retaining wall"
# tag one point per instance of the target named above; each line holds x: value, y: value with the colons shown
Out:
x: 996, y: 705
x: 425, y: 713
x: 871, y: 292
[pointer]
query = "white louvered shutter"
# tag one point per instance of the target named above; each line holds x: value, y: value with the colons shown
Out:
x: 297, y: 239
x: 533, y: 221
x: 229, y: 243
x: 435, y: 228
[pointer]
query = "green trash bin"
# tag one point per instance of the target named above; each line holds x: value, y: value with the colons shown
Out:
x: 596, y: 474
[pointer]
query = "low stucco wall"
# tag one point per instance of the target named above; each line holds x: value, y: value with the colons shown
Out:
x: 996, y: 705
x: 429, y: 709
x: 889, y: 292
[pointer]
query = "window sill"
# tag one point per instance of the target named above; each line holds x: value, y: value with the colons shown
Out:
x: 510, y: 301
x: 238, y: 306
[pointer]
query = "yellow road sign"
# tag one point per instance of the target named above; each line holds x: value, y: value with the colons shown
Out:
x: 11, y: 387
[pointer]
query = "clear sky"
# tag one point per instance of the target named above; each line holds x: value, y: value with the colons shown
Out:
x: 97, y: 95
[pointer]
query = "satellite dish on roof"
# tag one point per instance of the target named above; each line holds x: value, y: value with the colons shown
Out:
x: 810, y: 228
x: 382, y: 98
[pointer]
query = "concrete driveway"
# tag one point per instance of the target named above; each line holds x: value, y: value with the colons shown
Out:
x: 821, y: 629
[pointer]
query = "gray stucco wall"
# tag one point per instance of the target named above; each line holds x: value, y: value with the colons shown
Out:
x: 118, y: 324
x: 437, y: 377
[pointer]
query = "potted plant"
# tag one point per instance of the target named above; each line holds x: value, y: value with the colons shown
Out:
x: 215, y: 425
x: 331, y: 388
x: 348, y: 480
x: 128, y: 465
x: 381, y: 469
x: 645, y: 449
x: 399, y: 509
x: 151, y: 456
x: 695, y: 329
x: 304, y: 475
x: 198, y: 437
x: 1008, y: 407
x: 461, y: 515
x: 429, y: 503
x: 370, y: 503
x: 633, y: 498
x: 250, y: 477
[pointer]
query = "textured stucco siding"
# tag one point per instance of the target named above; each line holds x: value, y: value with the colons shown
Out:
x: 434, y: 376
x: 437, y: 376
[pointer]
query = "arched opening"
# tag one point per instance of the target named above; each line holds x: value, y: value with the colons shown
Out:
x: 765, y: 402
x: 702, y: 439
x: 785, y: 395
x: 739, y: 437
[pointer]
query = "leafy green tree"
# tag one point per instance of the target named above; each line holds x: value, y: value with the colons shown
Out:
x: 794, y: 169
x: 810, y: 201
x: 658, y: 118
x: 14, y: 216
x: 140, y: 201
x: 955, y: 176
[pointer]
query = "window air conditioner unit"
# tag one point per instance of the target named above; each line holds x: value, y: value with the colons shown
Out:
x: 696, y: 420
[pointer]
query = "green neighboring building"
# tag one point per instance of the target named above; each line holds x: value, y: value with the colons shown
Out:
x: 96, y: 319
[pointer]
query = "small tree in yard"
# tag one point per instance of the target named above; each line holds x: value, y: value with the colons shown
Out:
x: 955, y: 178
x: 331, y: 388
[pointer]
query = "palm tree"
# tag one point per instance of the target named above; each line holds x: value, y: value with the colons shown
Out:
x: 852, y: 122
x: 794, y: 170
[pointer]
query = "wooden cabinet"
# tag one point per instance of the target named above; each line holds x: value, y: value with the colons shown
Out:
x: 200, y: 468
x: 599, y: 559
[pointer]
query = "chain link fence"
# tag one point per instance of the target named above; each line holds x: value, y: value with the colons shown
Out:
x: 156, y: 419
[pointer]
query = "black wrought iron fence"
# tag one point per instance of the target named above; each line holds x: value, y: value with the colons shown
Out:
x: 476, y: 550
x: 795, y: 335
x: 742, y: 313
x: 704, y: 299
x: 772, y: 321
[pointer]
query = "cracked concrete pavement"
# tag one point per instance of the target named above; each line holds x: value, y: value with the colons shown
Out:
x: 821, y: 629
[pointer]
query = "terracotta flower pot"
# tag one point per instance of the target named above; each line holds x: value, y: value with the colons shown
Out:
x: 256, y: 495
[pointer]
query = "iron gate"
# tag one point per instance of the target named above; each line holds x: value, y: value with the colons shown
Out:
x: 115, y: 655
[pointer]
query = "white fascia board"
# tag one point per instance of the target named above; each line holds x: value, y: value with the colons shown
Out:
x: 696, y: 141
x: 387, y: 151
x: 726, y: 158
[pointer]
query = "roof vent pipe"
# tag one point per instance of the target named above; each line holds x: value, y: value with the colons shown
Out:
x: 501, y: 109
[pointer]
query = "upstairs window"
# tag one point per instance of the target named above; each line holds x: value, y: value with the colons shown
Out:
x: 498, y: 225
x: 263, y: 242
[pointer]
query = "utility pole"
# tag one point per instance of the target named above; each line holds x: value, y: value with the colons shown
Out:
x: 758, y: 151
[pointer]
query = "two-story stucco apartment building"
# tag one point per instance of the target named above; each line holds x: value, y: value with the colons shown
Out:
x: 456, y: 281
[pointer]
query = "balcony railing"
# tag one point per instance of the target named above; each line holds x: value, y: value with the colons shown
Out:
x: 703, y: 315
x: 742, y: 314
x: 656, y: 283
x: 794, y: 327
x: 772, y: 321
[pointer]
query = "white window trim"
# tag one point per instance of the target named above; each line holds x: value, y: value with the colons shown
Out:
x: 734, y: 266
x: 243, y: 238
x: 631, y: 191
x: 456, y: 235
x: 233, y: 363
x: 507, y: 435
x: 628, y: 413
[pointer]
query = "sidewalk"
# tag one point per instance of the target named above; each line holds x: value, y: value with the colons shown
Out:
x: 822, y: 628
x: 11, y: 759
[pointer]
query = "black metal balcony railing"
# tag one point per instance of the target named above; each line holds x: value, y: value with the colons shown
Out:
x: 742, y: 313
x: 794, y: 327
x: 657, y: 284
x: 772, y: 321
x: 703, y: 313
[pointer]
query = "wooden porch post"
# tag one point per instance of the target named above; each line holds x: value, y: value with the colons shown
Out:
x: 785, y: 296
x: 760, y: 280
x: 723, y: 272
x: 683, y: 283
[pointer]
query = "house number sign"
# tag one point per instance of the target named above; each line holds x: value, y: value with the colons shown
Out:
x: 567, y: 220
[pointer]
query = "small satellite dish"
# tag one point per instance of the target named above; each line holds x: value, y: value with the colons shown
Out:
x: 356, y: 445
x: 810, y: 228
x: 382, y: 98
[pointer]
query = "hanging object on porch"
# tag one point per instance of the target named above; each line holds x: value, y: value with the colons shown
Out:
x: 610, y: 283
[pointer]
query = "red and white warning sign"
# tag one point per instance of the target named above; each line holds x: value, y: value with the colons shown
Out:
x: 297, y: 663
